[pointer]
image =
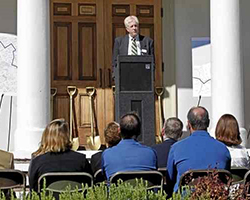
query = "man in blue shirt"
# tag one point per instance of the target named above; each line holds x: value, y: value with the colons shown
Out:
x: 128, y: 154
x: 198, y: 151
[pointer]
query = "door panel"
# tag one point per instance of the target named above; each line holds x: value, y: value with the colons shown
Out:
x: 82, y: 38
x: 78, y: 60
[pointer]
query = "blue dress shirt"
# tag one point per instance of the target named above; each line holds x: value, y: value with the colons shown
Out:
x: 198, y: 151
x: 128, y: 155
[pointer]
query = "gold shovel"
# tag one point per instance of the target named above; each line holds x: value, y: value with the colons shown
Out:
x: 93, y: 141
x: 159, y: 91
x: 75, y: 141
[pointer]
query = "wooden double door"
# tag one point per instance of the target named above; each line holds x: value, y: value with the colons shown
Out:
x: 82, y: 37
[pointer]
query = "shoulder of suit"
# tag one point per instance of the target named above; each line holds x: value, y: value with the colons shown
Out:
x: 142, y: 37
x: 120, y: 37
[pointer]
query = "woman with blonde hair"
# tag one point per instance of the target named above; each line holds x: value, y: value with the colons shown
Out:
x: 55, y: 154
x: 227, y: 131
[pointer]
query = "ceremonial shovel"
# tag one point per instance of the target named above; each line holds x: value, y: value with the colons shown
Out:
x: 159, y: 92
x: 93, y: 141
x: 75, y: 141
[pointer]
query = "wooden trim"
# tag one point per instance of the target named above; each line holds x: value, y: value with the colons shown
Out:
x: 120, y: 10
x: 86, y: 9
x: 150, y: 27
x: 94, y: 51
x: 145, y: 10
x: 68, y: 25
x: 62, y: 9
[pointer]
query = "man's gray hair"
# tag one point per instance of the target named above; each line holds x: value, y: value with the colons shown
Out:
x: 172, y: 128
x: 129, y: 19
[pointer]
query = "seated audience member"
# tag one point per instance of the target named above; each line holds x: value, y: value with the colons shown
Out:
x: 198, y: 151
x: 112, y: 138
x: 128, y: 154
x: 6, y: 160
x: 55, y: 154
x: 171, y: 132
x: 227, y: 131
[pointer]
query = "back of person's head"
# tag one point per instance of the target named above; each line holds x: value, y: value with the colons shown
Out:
x: 198, y: 118
x: 227, y: 130
x: 112, y: 134
x: 130, y: 19
x: 172, y: 128
x: 130, y: 125
x: 55, y: 138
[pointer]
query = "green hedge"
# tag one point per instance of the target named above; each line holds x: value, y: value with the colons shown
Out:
x: 121, y: 191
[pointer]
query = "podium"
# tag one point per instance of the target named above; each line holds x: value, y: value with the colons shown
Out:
x: 134, y: 91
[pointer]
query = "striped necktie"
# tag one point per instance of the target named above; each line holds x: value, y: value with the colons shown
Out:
x: 133, y: 47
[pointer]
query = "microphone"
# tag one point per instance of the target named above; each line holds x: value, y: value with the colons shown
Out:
x: 199, y: 100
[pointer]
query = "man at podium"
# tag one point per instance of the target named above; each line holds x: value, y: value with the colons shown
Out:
x: 133, y: 43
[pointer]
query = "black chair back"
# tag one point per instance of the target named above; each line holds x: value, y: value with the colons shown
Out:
x: 238, y: 174
x: 99, y: 177
x: 58, y: 182
x: 191, y: 176
x: 153, y: 178
x: 10, y: 179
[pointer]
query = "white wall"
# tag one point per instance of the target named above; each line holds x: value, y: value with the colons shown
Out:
x: 8, y: 16
x: 192, y: 19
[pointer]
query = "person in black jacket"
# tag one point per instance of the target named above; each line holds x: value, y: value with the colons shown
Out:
x: 55, y: 154
x: 171, y: 132
x: 112, y: 137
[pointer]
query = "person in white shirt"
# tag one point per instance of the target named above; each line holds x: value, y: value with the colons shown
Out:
x: 227, y: 131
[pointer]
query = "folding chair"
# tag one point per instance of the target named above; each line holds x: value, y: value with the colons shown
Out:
x: 153, y: 178
x: 190, y: 177
x: 11, y: 179
x: 57, y: 182
x: 6, y: 160
x: 246, y: 183
x: 99, y: 177
x: 238, y: 174
x: 167, y: 185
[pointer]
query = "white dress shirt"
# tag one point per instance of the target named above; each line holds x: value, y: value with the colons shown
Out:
x: 137, y: 44
x: 239, y: 156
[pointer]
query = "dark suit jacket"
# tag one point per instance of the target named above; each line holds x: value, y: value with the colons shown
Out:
x: 162, y: 151
x: 121, y: 47
x: 96, y: 161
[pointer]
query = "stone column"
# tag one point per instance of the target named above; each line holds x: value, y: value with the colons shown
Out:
x: 33, y: 90
x: 227, y: 69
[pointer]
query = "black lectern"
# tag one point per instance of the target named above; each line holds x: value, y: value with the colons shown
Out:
x: 134, y: 91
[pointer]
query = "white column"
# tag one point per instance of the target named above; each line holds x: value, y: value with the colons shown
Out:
x: 227, y: 77
x: 33, y: 88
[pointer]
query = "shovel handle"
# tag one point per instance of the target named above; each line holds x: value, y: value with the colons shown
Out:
x: 159, y: 91
x: 71, y: 91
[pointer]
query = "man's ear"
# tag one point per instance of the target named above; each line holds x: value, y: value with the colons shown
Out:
x: 189, y: 126
x: 208, y: 122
